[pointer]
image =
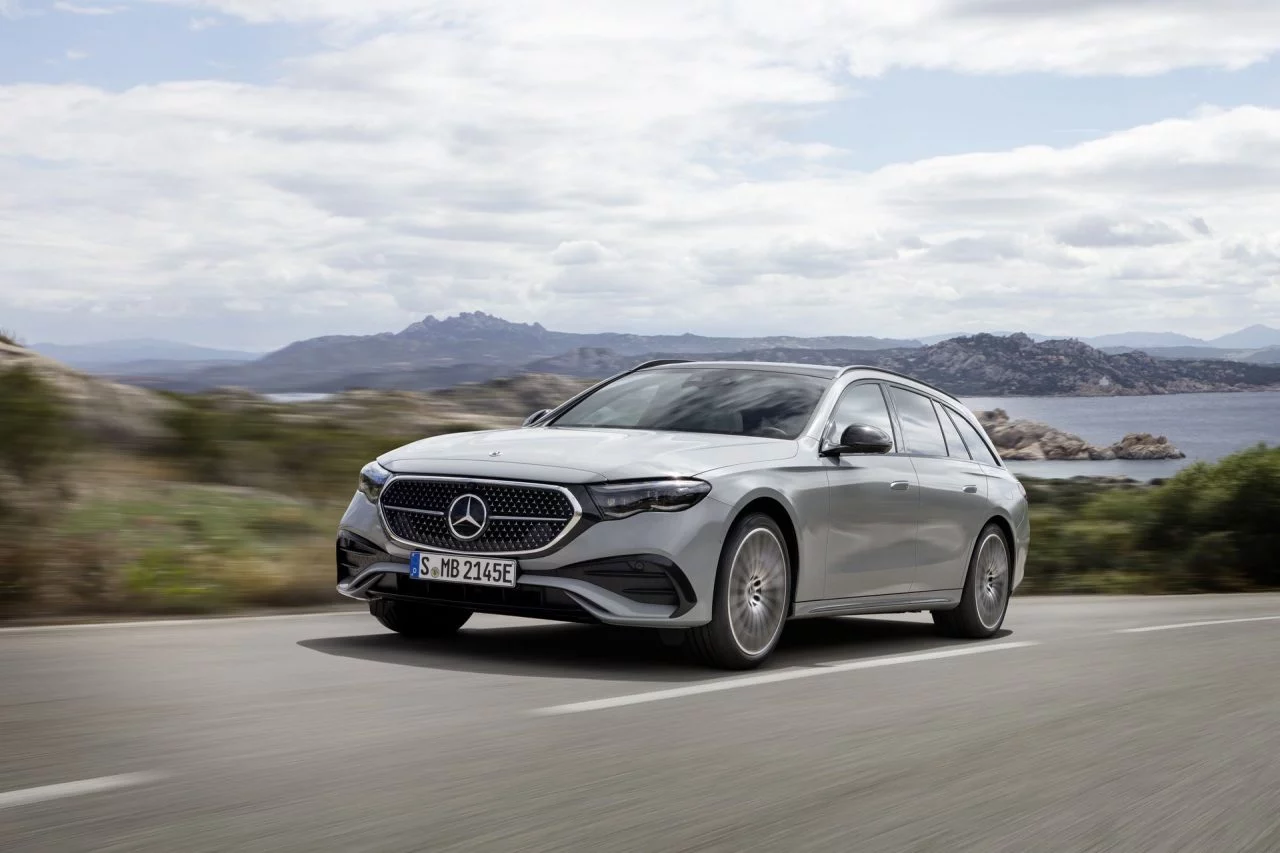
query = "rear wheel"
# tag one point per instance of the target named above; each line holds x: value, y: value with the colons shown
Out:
x: 986, y: 590
x: 415, y: 619
x: 753, y: 593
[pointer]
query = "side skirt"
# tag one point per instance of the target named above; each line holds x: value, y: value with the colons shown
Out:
x: 938, y: 599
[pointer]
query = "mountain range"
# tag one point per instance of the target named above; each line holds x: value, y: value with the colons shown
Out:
x: 138, y: 355
x: 472, y: 346
x: 480, y: 339
x: 477, y: 347
x: 1253, y: 337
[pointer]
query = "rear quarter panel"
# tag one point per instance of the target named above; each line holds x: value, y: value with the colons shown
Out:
x: 1009, y: 501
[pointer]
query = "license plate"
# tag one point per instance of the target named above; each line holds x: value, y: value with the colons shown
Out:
x: 481, y: 571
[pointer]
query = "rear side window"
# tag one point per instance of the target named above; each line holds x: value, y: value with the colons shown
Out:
x: 977, y: 447
x: 921, y: 432
x: 862, y: 404
x: 955, y: 446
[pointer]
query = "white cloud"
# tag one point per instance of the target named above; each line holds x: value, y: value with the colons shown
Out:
x: 86, y: 9
x: 1097, y: 231
x: 575, y: 252
x: 200, y: 24
x: 11, y: 9
x: 630, y: 168
x: 983, y: 36
x: 76, y: 55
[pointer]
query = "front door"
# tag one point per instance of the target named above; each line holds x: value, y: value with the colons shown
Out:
x: 874, y: 505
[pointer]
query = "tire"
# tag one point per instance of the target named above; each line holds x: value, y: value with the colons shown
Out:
x: 752, y: 597
x: 412, y: 619
x: 985, y: 599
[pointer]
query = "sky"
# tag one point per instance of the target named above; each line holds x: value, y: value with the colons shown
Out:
x: 244, y: 173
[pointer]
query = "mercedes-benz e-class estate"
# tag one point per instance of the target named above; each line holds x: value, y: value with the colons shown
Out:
x: 717, y: 498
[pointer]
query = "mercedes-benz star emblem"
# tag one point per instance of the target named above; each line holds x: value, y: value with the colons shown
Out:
x: 468, y: 516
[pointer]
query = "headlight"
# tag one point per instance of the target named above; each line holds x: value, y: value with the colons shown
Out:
x: 619, y: 500
x: 372, y: 478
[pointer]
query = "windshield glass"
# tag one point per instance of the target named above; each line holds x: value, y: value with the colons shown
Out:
x: 728, y: 401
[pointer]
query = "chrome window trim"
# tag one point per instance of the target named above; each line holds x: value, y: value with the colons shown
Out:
x: 431, y: 478
x: 972, y: 421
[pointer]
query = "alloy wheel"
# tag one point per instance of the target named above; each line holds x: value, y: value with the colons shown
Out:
x: 992, y: 590
x: 757, y: 597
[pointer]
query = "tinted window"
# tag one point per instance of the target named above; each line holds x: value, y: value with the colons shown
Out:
x: 955, y: 447
x: 920, y: 430
x: 730, y: 401
x: 861, y: 404
x: 976, y: 445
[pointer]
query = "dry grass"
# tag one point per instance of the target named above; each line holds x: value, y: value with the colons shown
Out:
x: 141, y: 545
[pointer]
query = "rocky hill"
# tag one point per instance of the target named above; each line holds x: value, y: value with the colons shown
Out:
x: 439, y: 353
x: 978, y: 365
x: 988, y: 365
x: 103, y: 410
x: 1016, y: 365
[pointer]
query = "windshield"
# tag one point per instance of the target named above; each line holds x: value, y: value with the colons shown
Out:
x: 728, y: 401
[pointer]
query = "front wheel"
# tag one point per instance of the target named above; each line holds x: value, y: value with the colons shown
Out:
x: 986, y: 590
x: 753, y: 593
x: 414, y: 619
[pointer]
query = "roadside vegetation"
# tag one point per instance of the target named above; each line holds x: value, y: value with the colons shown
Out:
x: 1210, y: 528
x: 233, y: 505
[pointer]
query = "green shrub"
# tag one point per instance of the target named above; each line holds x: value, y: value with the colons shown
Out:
x: 259, y: 448
x: 34, y: 424
x: 168, y: 579
x: 18, y: 567
x: 1210, y: 528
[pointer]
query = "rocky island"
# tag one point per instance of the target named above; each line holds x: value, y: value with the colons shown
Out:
x: 1025, y: 441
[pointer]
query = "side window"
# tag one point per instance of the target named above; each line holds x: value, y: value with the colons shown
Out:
x: 955, y: 446
x: 921, y: 432
x: 977, y: 446
x: 862, y: 404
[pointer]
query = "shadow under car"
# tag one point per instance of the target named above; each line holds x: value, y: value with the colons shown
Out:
x: 559, y: 650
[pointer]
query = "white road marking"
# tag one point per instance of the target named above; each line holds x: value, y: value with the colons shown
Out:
x: 773, y: 677
x: 26, y: 796
x: 170, y: 623
x: 1150, y: 628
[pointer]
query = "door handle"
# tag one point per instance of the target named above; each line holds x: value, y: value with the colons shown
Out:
x: 899, y: 485
x: 970, y: 490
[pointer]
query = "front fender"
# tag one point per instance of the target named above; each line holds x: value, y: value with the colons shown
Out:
x: 800, y: 493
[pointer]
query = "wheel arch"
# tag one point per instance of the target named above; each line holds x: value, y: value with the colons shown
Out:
x: 1010, y: 541
x: 776, y: 510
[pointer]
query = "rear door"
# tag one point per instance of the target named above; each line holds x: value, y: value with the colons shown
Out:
x: 874, y: 503
x: 953, y: 491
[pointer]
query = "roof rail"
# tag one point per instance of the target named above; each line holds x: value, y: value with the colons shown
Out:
x: 658, y: 362
x: 851, y: 367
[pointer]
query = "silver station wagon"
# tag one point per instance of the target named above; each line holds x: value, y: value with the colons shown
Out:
x: 719, y: 499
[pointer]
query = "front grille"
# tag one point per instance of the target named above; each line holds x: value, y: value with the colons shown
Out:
x: 521, y: 518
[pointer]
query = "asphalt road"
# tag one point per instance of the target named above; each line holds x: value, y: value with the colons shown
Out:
x: 1071, y: 732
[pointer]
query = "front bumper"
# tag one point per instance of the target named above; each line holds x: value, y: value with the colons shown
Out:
x: 649, y: 570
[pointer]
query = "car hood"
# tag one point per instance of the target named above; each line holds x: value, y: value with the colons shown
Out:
x: 570, y: 455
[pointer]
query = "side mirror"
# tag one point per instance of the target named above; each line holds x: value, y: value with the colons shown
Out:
x: 860, y: 438
x: 535, y: 417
